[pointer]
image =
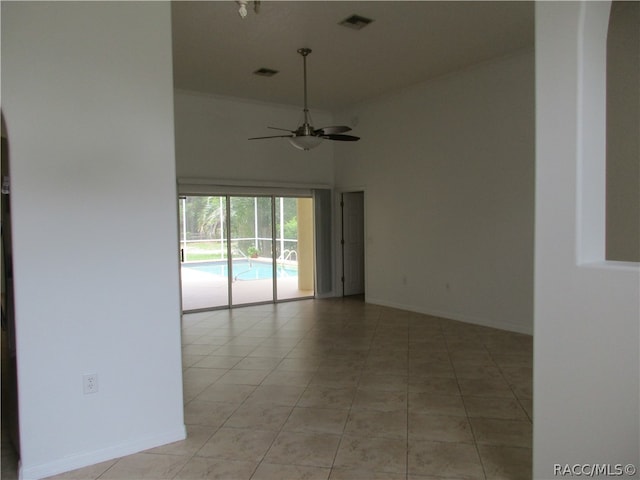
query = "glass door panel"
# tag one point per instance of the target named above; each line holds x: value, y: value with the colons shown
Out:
x: 294, y: 247
x: 251, y: 227
x: 203, y: 252
x: 228, y: 245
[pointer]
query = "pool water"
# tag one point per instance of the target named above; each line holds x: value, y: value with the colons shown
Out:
x: 244, y: 270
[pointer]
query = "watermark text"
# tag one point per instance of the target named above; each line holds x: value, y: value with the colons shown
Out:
x: 594, y: 470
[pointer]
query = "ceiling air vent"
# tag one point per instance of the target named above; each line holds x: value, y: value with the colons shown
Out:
x: 265, y: 72
x: 356, y: 22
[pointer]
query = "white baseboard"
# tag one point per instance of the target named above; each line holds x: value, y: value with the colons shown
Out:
x: 485, y: 322
x: 85, y: 459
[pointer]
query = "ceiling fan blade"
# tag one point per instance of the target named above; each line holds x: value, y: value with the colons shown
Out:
x: 342, y: 138
x: 272, y: 136
x: 283, y: 129
x: 332, y: 130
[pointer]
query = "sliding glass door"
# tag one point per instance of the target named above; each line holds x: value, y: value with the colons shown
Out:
x: 294, y: 247
x: 251, y: 233
x: 203, y: 251
x: 239, y: 250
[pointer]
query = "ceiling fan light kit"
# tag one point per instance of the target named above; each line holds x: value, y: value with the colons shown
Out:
x: 305, y: 137
x: 305, y: 142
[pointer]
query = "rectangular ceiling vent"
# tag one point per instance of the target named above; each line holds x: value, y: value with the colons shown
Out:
x: 356, y: 22
x: 265, y: 72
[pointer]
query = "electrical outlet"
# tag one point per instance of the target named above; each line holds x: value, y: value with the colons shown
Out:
x: 90, y: 383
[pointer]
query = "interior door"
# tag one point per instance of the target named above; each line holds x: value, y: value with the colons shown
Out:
x: 353, y: 243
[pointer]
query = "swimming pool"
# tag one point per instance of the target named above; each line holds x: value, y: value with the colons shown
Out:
x: 243, y: 269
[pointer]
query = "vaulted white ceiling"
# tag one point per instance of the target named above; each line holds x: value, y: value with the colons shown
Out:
x: 216, y: 51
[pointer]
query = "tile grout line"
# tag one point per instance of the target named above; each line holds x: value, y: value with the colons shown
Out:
x: 473, y: 433
x: 195, y: 454
x: 288, y: 416
x: 335, y: 456
x: 516, y: 396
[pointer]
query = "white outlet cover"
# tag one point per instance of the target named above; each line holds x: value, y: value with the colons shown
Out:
x: 90, y: 383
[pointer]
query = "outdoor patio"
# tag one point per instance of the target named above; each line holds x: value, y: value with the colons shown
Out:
x: 202, y: 290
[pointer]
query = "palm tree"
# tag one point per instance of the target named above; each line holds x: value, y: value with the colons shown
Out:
x: 210, y: 217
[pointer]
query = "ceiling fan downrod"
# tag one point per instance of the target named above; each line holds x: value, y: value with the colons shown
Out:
x: 305, y: 128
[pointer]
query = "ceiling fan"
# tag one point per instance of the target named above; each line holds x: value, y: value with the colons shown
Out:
x: 305, y: 137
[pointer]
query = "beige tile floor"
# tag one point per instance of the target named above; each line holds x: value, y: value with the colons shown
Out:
x: 339, y: 389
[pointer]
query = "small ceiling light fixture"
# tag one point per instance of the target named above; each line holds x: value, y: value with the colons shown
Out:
x: 356, y: 22
x: 242, y: 11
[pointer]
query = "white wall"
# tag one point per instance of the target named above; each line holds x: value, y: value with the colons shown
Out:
x: 586, y: 349
x: 211, y: 142
x: 88, y: 101
x: 448, y: 169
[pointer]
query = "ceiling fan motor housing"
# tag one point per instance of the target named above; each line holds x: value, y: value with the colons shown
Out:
x: 303, y: 130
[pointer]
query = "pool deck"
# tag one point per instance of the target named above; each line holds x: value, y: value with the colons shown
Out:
x: 202, y: 290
